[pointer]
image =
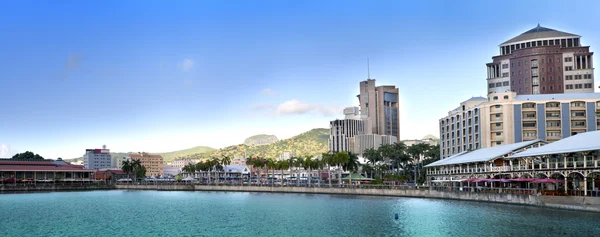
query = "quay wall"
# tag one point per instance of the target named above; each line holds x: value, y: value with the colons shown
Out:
x: 52, y: 188
x: 573, y: 203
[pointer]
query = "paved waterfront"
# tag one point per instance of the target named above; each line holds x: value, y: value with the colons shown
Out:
x: 176, y: 213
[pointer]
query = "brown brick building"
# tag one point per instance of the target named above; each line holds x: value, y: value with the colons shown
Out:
x: 542, y: 61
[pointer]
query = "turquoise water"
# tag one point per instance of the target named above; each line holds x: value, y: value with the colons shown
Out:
x: 156, y: 213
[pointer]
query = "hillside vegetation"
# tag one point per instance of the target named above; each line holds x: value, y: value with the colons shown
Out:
x: 261, y: 139
x: 313, y: 142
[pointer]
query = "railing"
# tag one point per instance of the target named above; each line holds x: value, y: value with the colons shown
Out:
x: 480, y: 189
x: 500, y: 168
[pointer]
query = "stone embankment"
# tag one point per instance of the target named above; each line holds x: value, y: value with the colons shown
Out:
x: 52, y: 188
x: 572, y: 203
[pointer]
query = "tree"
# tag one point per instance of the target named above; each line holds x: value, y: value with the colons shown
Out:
x: 127, y: 167
x: 387, y: 153
x: 327, y: 159
x: 307, y: 164
x: 28, y: 155
x: 340, y: 159
x: 283, y: 165
x: 225, y: 160
x: 352, y: 164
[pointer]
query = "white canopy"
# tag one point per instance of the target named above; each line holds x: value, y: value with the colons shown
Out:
x: 587, y: 141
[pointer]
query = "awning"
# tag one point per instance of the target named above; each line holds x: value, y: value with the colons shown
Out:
x: 357, y: 177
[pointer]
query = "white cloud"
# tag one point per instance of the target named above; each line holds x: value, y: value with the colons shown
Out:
x: 4, y: 151
x: 261, y: 106
x: 187, y: 65
x: 269, y: 91
x: 297, y: 107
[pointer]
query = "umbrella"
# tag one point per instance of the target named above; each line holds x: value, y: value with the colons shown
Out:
x: 522, y: 179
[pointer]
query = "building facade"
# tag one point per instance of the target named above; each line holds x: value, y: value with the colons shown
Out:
x: 97, y: 158
x: 341, y: 131
x: 506, y: 118
x: 381, y: 106
x: 359, y: 143
x: 154, y: 164
x: 542, y: 61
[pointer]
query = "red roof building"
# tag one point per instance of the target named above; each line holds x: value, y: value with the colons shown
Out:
x: 44, y: 170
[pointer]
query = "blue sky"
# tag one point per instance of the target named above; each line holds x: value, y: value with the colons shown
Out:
x: 165, y: 75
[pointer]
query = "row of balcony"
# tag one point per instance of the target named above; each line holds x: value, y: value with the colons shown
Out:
x: 591, y: 164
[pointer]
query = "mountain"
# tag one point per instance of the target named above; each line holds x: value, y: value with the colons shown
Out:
x: 261, y: 139
x: 313, y: 142
x: 167, y: 156
x: 432, y: 137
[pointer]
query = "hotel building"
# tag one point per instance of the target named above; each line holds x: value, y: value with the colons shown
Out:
x: 381, y: 106
x: 153, y: 163
x: 342, y: 129
x: 97, y: 158
x: 542, y: 61
x: 506, y: 118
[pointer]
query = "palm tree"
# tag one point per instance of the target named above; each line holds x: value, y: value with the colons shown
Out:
x: 352, y: 164
x: 327, y: 159
x: 298, y: 163
x: 272, y: 165
x: 340, y: 159
x: 127, y: 168
x: 283, y: 165
x: 307, y: 164
x: 373, y: 156
x: 225, y: 160
x: 291, y: 163
x: 400, y: 154
x: 214, y: 162
x: 250, y: 164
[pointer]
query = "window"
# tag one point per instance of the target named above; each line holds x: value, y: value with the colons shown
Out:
x: 549, y: 69
x: 512, y: 73
x: 519, y: 63
x: 512, y: 64
x: 526, y: 80
x: 519, y: 72
x: 569, y: 87
x: 497, y: 115
x: 506, y: 97
x: 558, y: 78
x: 568, y: 59
x: 549, y: 60
x: 578, y: 124
x: 543, y: 70
x: 551, y: 79
x: 588, y: 85
x: 578, y: 86
x: 526, y: 71
x: 520, y: 81
x: 505, y: 83
x: 498, y: 133
x: 520, y: 90
x: 495, y: 97
x: 498, y: 125
x: 578, y: 77
x: 551, y: 88
x: 526, y: 89
x: 569, y: 77
x: 543, y: 78
x: 491, y: 85
x: 505, y: 74
x: 587, y: 76
x: 543, y: 88
x: 505, y: 66
x: 496, y: 106
x: 553, y: 134
x: 498, y: 84
x: 568, y: 68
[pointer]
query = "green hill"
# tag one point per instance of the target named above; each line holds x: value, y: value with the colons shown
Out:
x: 313, y: 142
x: 261, y: 139
x: 187, y: 153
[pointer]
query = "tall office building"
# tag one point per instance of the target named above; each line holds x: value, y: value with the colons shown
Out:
x: 381, y: 106
x: 506, y: 118
x: 542, y: 61
x: 97, y: 158
x: 342, y: 129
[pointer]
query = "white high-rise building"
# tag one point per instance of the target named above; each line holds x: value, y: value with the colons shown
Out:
x: 97, y: 158
x: 342, y: 129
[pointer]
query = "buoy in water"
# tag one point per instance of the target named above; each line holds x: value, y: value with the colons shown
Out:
x: 396, y: 216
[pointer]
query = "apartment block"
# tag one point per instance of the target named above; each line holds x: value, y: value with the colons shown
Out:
x: 154, y: 164
x: 506, y: 118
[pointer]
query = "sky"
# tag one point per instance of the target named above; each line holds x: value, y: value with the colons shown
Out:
x: 159, y: 76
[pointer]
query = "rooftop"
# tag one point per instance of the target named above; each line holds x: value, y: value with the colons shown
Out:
x: 481, y: 155
x: 539, y: 33
x: 587, y: 141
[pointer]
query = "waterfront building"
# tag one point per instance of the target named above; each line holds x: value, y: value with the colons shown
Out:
x: 286, y: 155
x: 505, y: 118
x: 12, y: 171
x: 542, y: 61
x: 573, y: 161
x: 381, y: 106
x: 238, y: 161
x: 97, y: 158
x: 171, y: 170
x: 110, y: 175
x: 153, y: 163
x: 180, y: 163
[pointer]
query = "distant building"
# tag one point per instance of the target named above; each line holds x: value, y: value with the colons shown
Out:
x: 153, y: 163
x: 359, y: 143
x: 182, y: 162
x: 58, y: 171
x: 118, y: 162
x: 286, y: 156
x: 171, y: 170
x: 419, y: 141
x: 97, y: 158
x: 342, y: 129
x: 381, y: 106
x: 238, y: 161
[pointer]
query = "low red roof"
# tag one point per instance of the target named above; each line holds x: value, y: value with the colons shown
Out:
x: 41, y: 168
x: 12, y: 162
x: 115, y: 171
